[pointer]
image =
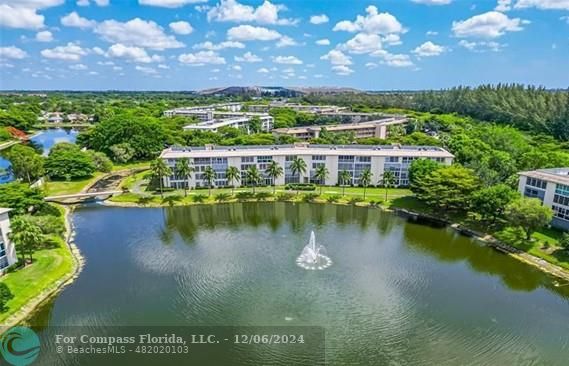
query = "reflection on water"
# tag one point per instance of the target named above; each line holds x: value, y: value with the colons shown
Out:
x: 398, y: 292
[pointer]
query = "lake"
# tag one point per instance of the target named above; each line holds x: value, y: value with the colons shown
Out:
x: 397, y: 293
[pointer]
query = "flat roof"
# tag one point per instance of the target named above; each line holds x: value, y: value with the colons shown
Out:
x: 554, y: 175
x: 305, y: 149
x: 4, y: 210
x: 342, y: 126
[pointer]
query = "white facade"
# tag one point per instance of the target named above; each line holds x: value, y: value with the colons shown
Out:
x: 352, y: 158
x: 201, y: 111
x: 7, y: 249
x: 243, y: 122
x: 551, y: 186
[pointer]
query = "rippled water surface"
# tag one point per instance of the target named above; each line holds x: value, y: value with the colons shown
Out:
x: 397, y: 293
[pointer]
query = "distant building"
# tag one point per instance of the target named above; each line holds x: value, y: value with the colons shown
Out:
x: 376, y: 128
x: 7, y: 250
x: 243, y: 123
x: 204, y: 112
x: 352, y: 158
x: 551, y: 186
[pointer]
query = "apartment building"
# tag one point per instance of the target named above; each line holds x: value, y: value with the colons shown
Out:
x: 551, y: 186
x: 242, y: 122
x: 203, y: 112
x: 352, y: 158
x: 7, y: 249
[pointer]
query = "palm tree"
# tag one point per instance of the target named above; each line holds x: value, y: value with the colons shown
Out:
x: 160, y: 170
x: 345, y: 177
x: 274, y: 171
x: 321, y: 173
x: 387, y: 180
x: 365, y: 179
x: 183, y: 169
x: 209, y: 176
x: 298, y: 166
x: 233, y: 175
x: 253, y: 176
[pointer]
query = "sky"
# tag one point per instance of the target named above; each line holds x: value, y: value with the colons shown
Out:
x: 197, y: 44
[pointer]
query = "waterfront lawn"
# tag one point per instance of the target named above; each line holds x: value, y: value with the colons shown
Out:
x: 61, y: 187
x: 49, y: 266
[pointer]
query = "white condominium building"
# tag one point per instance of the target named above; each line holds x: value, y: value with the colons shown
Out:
x: 7, y: 249
x: 243, y: 122
x: 551, y: 186
x: 351, y: 158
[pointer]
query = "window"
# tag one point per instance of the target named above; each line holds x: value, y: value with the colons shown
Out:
x: 318, y: 157
x: 248, y: 159
x: 408, y: 159
x: 560, y: 212
x: 562, y: 200
x: 264, y: 159
x: 392, y: 159
x: 538, y: 183
x: 346, y: 158
x: 533, y: 193
x: 290, y: 157
x: 562, y: 190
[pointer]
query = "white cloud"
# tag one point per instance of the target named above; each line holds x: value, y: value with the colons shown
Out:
x: 263, y: 70
x: 248, y: 57
x: 503, y: 5
x: 69, y: 52
x: 432, y: 2
x: 236, y: 67
x: 393, y: 60
x: 216, y: 47
x: 146, y: 69
x: 337, y: 57
x: 137, y: 32
x: 391, y: 39
x: 373, y: 22
x: 342, y: 70
x: 319, y: 19
x: 371, y: 65
x: 565, y: 18
x: 432, y: 33
x: 429, y: 49
x: 201, y: 58
x: 131, y: 53
x: 12, y: 52
x: 83, y: 3
x: 492, y: 24
x: 181, y: 27
x: 17, y: 17
x: 233, y: 11
x: 78, y: 67
x: 323, y: 42
x: 169, y: 3
x: 251, y: 33
x: 74, y: 20
x: 287, y: 60
x: 163, y: 67
x: 286, y: 41
x: 362, y: 43
x: 44, y: 36
x: 98, y: 51
x: 481, y: 46
x: 543, y: 4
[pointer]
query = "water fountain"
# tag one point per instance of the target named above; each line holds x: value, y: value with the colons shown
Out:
x: 313, y: 256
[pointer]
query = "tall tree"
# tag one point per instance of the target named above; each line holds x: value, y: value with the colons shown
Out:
x: 387, y: 181
x: 26, y: 163
x: 529, y: 214
x: 418, y: 170
x: 491, y: 202
x: 365, y: 179
x: 321, y: 173
x: 449, y: 188
x: 233, y: 175
x: 253, y: 176
x: 160, y: 170
x: 344, y: 177
x: 274, y: 171
x: 26, y: 235
x: 209, y: 176
x: 183, y: 169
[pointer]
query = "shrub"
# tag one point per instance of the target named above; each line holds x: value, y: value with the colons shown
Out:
x: 171, y: 200
x: 199, y: 198
x: 262, y: 196
x: 287, y: 196
x: 300, y: 187
x: 246, y: 195
x: 5, y: 296
x: 221, y: 197
x: 309, y: 197
x: 333, y: 198
x: 355, y: 200
x: 564, y: 241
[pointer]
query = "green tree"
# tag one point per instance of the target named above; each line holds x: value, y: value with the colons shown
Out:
x: 253, y: 176
x: 298, y: 167
x: 387, y: 180
x: 184, y: 170
x: 67, y: 161
x: 101, y: 161
x: 209, y: 176
x: 449, y: 188
x: 122, y: 153
x: 233, y: 175
x: 365, y: 179
x: 26, y: 163
x: 21, y: 198
x: 491, y: 202
x: 418, y: 170
x: 321, y: 173
x: 345, y: 178
x: 5, y: 296
x: 529, y: 214
x: 26, y: 236
x: 159, y: 170
x: 564, y: 241
x: 274, y: 171
x: 255, y: 125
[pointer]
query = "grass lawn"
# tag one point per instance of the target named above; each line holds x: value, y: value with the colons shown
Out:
x: 135, y: 165
x: 56, y: 188
x: 49, y: 266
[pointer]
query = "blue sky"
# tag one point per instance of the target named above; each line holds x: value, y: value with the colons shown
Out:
x: 195, y: 44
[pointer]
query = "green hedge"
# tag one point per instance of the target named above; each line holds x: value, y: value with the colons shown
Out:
x: 300, y: 187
